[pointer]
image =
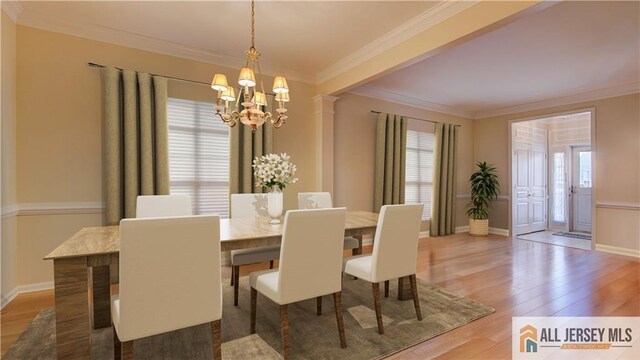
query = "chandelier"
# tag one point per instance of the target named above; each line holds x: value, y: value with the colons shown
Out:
x: 254, y: 102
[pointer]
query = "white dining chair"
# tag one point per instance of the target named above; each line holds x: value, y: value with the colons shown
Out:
x: 310, y: 266
x: 167, y: 284
x: 322, y: 200
x: 163, y: 205
x: 395, y: 253
x: 249, y: 206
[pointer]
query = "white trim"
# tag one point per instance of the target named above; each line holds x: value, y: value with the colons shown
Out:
x: 620, y: 205
x: 5, y: 299
x: 468, y: 196
x: 562, y: 100
x: 423, y: 234
x: 429, y: 18
x: 27, y: 209
x: 24, y: 289
x: 618, y: 250
x: 383, y: 94
x: 498, y: 231
x: 141, y: 42
x: 462, y: 229
x: 11, y: 8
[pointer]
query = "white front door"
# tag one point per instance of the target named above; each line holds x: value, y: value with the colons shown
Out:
x: 580, y: 190
x: 529, y: 177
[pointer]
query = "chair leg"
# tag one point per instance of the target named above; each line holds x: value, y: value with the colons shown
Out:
x: 386, y: 289
x: 117, y: 346
x: 319, y: 305
x: 236, y: 285
x: 376, y: 304
x: 284, y: 329
x: 232, y: 274
x: 337, y: 301
x: 127, y: 350
x: 416, y: 301
x: 215, y: 337
x: 254, y: 301
x: 271, y: 264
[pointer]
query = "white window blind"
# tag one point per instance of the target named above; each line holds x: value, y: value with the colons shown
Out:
x: 199, y: 156
x: 419, y: 170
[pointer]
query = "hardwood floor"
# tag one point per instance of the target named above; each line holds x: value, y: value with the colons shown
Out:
x: 516, y: 277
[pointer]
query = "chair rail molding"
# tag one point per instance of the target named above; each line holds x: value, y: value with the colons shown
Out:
x: 620, y: 205
x: 26, y: 209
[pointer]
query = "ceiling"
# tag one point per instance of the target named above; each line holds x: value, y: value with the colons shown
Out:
x: 564, y: 51
x: 302, y: 36
x: 570, y: 48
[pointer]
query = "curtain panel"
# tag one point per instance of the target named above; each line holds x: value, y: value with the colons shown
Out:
x: 443, y: 210
x: 136, y: 154
x: 391, y: 155
x: 245, y: 146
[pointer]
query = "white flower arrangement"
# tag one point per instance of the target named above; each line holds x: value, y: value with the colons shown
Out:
x: 274, y: 170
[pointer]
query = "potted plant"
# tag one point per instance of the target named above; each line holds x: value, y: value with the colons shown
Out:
x: 484, y: 189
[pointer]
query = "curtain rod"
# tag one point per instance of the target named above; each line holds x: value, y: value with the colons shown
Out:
x: 165, y: 76
x: 412, y: 118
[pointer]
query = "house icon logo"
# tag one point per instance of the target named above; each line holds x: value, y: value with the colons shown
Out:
x: 528, y: 339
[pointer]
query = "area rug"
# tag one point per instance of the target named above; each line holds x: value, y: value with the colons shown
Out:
x: 311, y: 336
x: 573, y: 235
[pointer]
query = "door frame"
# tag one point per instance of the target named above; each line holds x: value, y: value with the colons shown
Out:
x: 510, y: 123
x: 571, y: 204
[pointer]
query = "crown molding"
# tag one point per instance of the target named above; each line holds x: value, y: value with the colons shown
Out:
x: 429, y: 18
x: 142, y: 42
x: 382, y: 94
x: 563, y: 100
x: 11, y: 8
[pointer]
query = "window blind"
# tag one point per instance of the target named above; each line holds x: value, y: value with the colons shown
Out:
x: 419, y: 170
x: 199, y: 156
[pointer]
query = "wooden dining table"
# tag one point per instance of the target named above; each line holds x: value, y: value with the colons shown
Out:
x: 82, y: 268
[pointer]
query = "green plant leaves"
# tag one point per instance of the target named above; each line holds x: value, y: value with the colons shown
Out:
x: 485, y: 187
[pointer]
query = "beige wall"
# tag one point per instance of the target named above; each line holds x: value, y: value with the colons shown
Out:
x: 59, y: 132
x: 617, y: 152
x: 8, y: 228
x: 354, y: 150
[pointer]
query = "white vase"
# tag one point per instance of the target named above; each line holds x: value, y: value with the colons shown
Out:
x: 274, y: 205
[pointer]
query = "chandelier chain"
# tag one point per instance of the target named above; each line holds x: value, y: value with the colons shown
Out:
x: 253, y: 25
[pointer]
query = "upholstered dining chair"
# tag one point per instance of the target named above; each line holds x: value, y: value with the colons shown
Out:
x: 163, y: 205
x: 167, y: 284
x: 395, y: 252
x: 310, y: 266
x: 322, y: 200
x: 245, y: 206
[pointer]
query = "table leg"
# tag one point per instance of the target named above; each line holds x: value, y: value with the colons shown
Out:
x: 404, y: 289
x: 101, y: 297
x: 358, y: 250
x: 73, y: 329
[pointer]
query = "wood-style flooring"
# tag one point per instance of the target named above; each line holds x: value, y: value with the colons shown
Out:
x: 516, y: 277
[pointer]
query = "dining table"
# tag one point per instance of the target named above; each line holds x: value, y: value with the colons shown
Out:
x: 82, y: 267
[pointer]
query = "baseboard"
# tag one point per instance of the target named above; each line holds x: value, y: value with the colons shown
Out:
x: 5, y: 299
x: 492, y: 230
x: 423, y: 234
x: 498, y: 231
x: 618, y: 250
x: 24, y: 289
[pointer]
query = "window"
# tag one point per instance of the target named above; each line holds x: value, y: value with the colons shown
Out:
x: 419, y: 170
x: 559, y: 188
x: 199, y: 156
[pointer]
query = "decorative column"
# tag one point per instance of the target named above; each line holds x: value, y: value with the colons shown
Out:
x: 324, y: 141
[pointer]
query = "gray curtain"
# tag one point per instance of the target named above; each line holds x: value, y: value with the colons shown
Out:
x: 391, y: 155
x: 136, y: 155
x: 443, y: 209
x: 245, y: 146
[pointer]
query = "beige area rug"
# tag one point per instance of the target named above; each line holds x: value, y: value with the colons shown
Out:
x: 311, y: 336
